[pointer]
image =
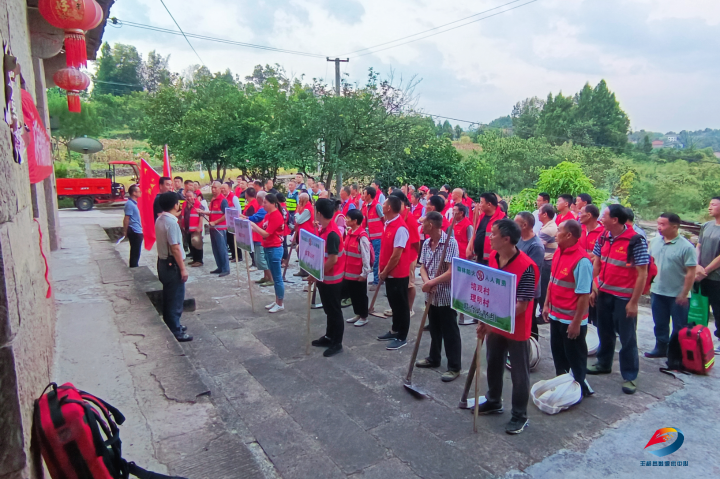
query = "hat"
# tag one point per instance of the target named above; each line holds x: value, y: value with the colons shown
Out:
x: 423, y: 188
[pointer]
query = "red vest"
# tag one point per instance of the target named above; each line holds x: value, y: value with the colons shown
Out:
x: 338, y: 270
x: 346, y: 207
x: 416, y: 210
x: 402, y: 270
x: 588, y: 239
x: 414, y: 229
x: 230, y: 197
x: 309, y: 225
x: 217, y: 213
x: 255, y: 206
x: 372, y: 221
x: 353, y: 260
x: 617, y: 277
x: 356, y: 200
x: 467, y: 201
x: 561, y: 290
x: 190, y: 216
x: 498, y: 215
x: 523, y: 321
x: 238, y: 191
x: 460, y: 233
x: 567, y: 216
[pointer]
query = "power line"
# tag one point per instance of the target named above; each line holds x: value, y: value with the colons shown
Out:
x: 430, y: 29
x: 183, y: 33
x: 444, y: 31
x: 117, y: 21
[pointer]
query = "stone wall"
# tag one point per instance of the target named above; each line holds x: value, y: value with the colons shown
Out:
x: 27, y: 317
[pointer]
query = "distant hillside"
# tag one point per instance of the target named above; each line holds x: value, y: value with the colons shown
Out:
x: 707, y: 138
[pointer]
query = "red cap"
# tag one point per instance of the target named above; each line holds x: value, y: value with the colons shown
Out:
x: 423, y: 188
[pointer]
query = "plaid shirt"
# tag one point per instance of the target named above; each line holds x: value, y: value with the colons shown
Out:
x: 431, y: 260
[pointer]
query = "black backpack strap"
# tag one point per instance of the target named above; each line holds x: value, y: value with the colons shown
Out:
x: 141, y: 473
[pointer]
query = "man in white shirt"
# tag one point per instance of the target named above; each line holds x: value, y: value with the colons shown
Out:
x: 542, y: 199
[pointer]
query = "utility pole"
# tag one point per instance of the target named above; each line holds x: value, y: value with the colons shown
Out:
x: 338, y: 179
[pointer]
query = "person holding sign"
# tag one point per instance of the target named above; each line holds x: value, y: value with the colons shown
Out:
x: 358, y: 266
x: 505, y: 256
x: 443, y: 319
x: 394, y: 266
x: 331, y: 286
x: 271, y: 227
x: 567, y: 301
x: 233, y: 202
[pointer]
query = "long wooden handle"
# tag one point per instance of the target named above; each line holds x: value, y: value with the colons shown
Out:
x: 469, y: 380
x: 477, y: 382
x: 292, y: 246
x: 377, y: 290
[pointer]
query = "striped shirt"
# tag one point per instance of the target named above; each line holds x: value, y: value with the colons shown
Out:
x: 547, y: 235
x: 641, y: 256
x: 430, y: 259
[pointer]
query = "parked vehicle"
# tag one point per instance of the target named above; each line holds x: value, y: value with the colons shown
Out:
x: 88, y: 192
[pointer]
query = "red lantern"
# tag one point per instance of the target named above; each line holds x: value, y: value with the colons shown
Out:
x: 75, y: 17
x: 74, y: 81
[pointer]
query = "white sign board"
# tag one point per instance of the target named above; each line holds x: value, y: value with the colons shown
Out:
x: 484, y: 293
x: 243, y: 234
x: 312, y: 254
x: 230, y: 215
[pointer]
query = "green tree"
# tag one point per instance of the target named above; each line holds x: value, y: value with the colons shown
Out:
x: 155, y: 73
x: 647, y: 145
x: 458, y: 132
x: 556, y: 118
x: 72, y: 125
x: 118, y: 70
x: 525, y: 115
x: 611, y: 123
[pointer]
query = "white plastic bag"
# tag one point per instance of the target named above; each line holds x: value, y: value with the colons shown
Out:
x: 554, y: 395
x: 592, y: 340
x: 533, y: 357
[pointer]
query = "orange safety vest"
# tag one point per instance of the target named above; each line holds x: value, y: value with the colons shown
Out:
x: 372, y: 221
x: 461, y: 236
x: 353, y: 262
x: 617, y: 276
x: 523, y: 321
x: 498, y: 215
x: 337, y: 273
x: 402, y: 270
x: 589, y: 238
x: 561, y: 289
x: 217, y: 213
x: 190, y: 217
x: 309, y: 225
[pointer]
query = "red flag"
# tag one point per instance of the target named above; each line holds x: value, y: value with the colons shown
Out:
x: 167, y: 171
x: 149, y: 186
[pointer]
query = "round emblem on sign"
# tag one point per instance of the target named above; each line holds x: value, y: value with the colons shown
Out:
x: 480, y: 275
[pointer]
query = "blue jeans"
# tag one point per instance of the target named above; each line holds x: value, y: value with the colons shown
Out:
x: 612, y: 319
x: 376, y: 247
x: 663, y: 307
x: 218, y: 241
x: 173, y: 293
x: 273, y: 256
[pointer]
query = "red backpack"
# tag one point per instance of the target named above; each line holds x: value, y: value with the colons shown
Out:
x: 697, y: 349
x: 77, y: 441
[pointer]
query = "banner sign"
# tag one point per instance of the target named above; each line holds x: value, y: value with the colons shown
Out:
x: 230, y: 215
x: 484, y: 293
x: 312, y: 254
x: 243, y: 234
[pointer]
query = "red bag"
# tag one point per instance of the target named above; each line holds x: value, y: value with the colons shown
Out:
x: 697, y: 349
x: 77, y: 441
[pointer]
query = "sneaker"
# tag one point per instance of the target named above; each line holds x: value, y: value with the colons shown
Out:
x: 332, y: 350
x: 516, y: 426
x: 260, y: 281
x: 353, y: 319
x: 389, y: 336
x: 322, y: 342
x: 387, y: 312
x: 412, y: 313
x: 361, y: 322
x: 373, y: 287
x: 316, y: 306
x: 215, y: 271
x: 717, y: 350
x: 396, y: 344
x: 629, y: 387
x: 224, y: 273
x: 450, y: 376
x: 276, y: 309
x: 486, y: 408
x: 466, y: 320
x: 183, y: 337
x: 268, y: 283
x: 253, y: 269
x: 196, y: 264
x: 596, y: 369
x: 269, y: 306
x: 425, y: 363
x: 345, y: 303
x: 299, y: 273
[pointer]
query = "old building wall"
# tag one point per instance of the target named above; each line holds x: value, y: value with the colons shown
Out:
x: 27, y: 317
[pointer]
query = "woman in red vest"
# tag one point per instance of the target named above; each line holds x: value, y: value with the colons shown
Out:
x: 373, y: 221
x: 191, y: 226
x: 505, y: 256
x: 358, y: 265
x: 331, y: 286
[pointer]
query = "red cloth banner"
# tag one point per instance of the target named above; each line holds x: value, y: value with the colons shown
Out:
x: 37, y: 141
x: 167, y: 171
x: 149, y: 181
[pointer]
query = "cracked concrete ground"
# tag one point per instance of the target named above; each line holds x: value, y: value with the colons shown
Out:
x: 305, y: 416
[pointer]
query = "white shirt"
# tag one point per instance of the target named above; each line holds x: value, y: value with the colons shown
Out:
x: 402, y: 235
x: 538, y: 224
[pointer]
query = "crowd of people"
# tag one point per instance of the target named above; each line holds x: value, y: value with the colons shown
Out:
x: 575, y: 263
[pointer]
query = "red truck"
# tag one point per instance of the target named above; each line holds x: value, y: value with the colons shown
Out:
x: 88, y: 192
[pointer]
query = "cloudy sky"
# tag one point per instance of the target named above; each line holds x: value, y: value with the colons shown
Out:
x: 660, y: 57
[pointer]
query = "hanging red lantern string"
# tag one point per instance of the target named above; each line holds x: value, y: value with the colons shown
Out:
x: 74, y: 81
x: 75, y: 17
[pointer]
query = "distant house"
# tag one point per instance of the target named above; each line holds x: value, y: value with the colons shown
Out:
x: 717, y: 154
x: 671, y: 139
x: 658, y: 144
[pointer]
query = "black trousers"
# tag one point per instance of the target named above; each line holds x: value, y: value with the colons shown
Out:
x: 536, y: 320
x: 569, y: 354
x: 195, y: 254
x: 498, y: 348
x: 173, y: 293
x: 135, y: 240
x: 357, y: 292
x: 444, y: 328
x: 231, y: 244
x: 397, y: 294
x: 330, y: 297
x: 544, y: 281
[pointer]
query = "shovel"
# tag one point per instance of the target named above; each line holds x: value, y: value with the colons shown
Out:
x: 292, y: 247
x: 371, y: 310
x: 440, y: 270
